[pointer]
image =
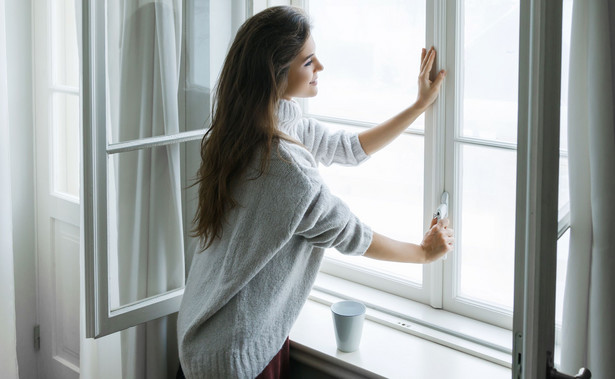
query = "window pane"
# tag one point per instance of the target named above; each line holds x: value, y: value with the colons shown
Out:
x: 563, y: 246
x: 563, y: 190
x: 147, y: 225
x: 65, y: 136
x: 65, y: 56
x: 486, y: 239
x: 566, y: 30
x: 564, y: 196
x: 371, y: 52
x: 386, y: 192
x: 490, y: 64
x: 144, y: 67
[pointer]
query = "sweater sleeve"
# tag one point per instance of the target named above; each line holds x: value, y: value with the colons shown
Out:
x: 328, y: 222
x: 329, y: 147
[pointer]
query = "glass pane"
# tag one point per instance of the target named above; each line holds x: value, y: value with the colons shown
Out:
x: 198, y: 66
x: 485, y: 238
x: 386, y: 192
x: 566, y: 30
x: 148, y: 87
x: 564, y: 196
x: 490, y: 60
x: 563, y: 190
x: 563, y: 246
x: 64, y: 53
x: 371, y: 51
x: 149, y: 214
x: 65, y: 140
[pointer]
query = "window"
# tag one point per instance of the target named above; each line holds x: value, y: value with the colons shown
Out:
x: 148, y: 71
x: 64, y: 100
x: 465, y: 145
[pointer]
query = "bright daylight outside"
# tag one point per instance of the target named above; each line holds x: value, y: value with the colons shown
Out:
x: 371, y: 52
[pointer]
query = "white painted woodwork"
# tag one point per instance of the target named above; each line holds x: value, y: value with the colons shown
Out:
x: 57, y: 228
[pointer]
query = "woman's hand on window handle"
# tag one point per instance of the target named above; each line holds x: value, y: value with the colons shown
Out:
x: 381, y: 135
x: 428, y: 89
x: 437, y: 241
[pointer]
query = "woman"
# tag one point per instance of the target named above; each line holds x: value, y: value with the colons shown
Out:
x: 264, y: 214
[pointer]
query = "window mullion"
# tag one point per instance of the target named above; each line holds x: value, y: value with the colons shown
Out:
x: 453, y: 118
x: 156, y: 141
x: 435, y: 122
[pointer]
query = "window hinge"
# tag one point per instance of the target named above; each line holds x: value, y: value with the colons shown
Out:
x: 37, y: 337
x: 519, y: 356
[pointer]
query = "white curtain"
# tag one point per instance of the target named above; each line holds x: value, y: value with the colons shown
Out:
x: 150, y: 236
x: 588, y: 329
x: 8, y: 341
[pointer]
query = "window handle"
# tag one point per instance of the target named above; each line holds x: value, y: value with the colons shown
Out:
x: 582, y: 374
x: 442, y: 210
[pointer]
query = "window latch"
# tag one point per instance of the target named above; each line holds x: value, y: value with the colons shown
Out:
x: 442, y: 210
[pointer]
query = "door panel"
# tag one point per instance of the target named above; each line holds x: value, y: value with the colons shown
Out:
x: 57, y: 187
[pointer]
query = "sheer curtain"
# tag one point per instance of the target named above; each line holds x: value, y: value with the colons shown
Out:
x: 150, y: 236
x: 8, y: 341
x: 589, y: 304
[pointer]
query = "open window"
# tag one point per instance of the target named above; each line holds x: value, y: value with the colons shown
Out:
x: 148, y: 69
x: 466, y: 144
x: 137, y: 171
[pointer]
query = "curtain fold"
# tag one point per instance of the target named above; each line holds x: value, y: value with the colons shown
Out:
x: 150, y: 236
x: 589, y: 304
x: 8, y: 331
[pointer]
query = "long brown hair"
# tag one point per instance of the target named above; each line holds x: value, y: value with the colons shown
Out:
x: 244, y: 121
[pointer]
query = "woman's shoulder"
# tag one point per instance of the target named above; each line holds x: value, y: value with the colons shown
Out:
x: 297, y: 156
x: 290, y: 166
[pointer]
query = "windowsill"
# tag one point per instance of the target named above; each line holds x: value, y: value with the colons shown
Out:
x: 392, y: 346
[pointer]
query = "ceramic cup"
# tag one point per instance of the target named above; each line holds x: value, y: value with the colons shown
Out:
x: 348, y: 319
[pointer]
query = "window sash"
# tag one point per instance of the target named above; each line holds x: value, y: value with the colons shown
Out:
x: 100, y: 319
x: 444, y: 24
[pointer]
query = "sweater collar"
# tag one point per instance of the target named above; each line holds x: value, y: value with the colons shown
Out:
x: 289, y: 111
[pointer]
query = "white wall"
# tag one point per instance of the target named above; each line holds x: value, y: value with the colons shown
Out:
x: 21, y: 129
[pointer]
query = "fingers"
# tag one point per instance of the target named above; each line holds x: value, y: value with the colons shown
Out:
x: 443, y: 223
x: 439, y: 78
x: 434, y: 221
x: 425, y: 58
x: 428, y: 62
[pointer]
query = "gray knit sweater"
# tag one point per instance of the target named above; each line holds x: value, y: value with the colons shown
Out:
x: 245, y: 291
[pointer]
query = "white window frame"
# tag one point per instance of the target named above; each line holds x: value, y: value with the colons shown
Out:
x: 441, y: 167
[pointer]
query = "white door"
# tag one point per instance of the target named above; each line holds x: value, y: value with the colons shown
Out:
x: 57, y: 186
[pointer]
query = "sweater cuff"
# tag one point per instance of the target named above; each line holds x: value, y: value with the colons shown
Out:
x: 367, y: 235
x: 357, y: 149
